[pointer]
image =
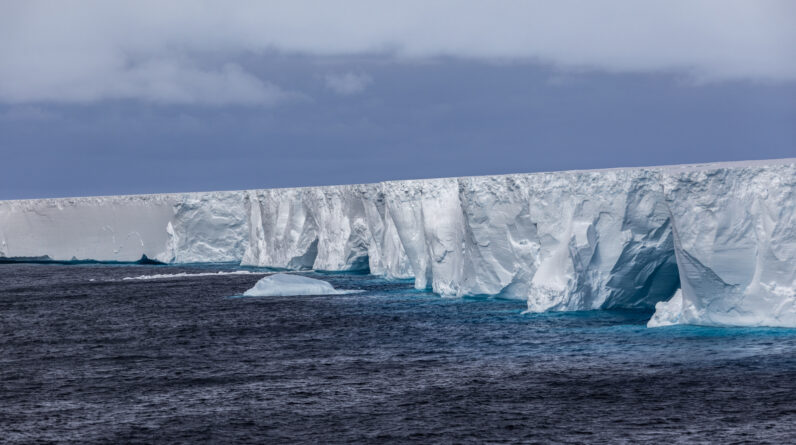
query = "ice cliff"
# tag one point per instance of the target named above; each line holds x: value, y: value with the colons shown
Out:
x: 724, y: 235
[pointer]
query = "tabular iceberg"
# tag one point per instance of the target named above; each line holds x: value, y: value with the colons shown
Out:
x: 711, y: 244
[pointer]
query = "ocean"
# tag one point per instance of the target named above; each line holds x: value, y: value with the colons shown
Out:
x: 173, y: 354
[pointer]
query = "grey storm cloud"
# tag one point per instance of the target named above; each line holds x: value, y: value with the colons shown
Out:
x: 184, y: 52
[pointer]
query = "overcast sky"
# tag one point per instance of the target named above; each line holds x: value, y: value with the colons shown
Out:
x: 140, y: 97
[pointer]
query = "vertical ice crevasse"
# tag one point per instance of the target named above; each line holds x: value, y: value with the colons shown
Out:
x: 256, y: 247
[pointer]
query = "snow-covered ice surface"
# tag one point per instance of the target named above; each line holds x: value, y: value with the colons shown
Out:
x: 724, y: 233
x: 286, y: 285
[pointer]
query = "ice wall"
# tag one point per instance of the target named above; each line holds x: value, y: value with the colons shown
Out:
x: 735, y: 239
x: 722, y: 233
x: 563, y: 241
x: 322, y: 228
x: 119, y: 228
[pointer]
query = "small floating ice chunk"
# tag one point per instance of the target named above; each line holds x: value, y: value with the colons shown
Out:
x: 282, y: 285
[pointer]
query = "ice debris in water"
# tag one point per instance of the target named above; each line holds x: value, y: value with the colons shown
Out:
x: 165, y: 276
x: 667, y: 313
x: 282, y: 285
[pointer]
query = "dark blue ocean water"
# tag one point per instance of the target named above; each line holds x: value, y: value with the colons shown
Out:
x: 88, y: 357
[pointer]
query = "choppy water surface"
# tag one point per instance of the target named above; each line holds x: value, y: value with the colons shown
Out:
x: 86, y: 356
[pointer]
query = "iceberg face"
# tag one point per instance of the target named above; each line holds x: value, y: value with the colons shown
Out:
x: 735, y: 243
x: 724, y: 234
x: 285, y: 285
x: 119, y: 228
x: 571, y: 240
x: 321, y: 228
x: 208, y: 227
x: 386, y: 254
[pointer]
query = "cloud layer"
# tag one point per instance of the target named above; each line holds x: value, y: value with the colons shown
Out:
x: 184, y: 52
x: 348, y: 83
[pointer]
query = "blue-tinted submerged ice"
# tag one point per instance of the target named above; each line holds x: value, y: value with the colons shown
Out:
x: 285, y: 285
x: 723, y: 235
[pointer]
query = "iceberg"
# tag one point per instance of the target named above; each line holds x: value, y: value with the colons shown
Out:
x: 723, y: 234
x: 285, y: 285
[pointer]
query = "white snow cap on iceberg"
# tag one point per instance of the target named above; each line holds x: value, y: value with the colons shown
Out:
x: 283, y: 285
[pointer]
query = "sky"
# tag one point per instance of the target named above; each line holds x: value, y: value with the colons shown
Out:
x: 126, y: 97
